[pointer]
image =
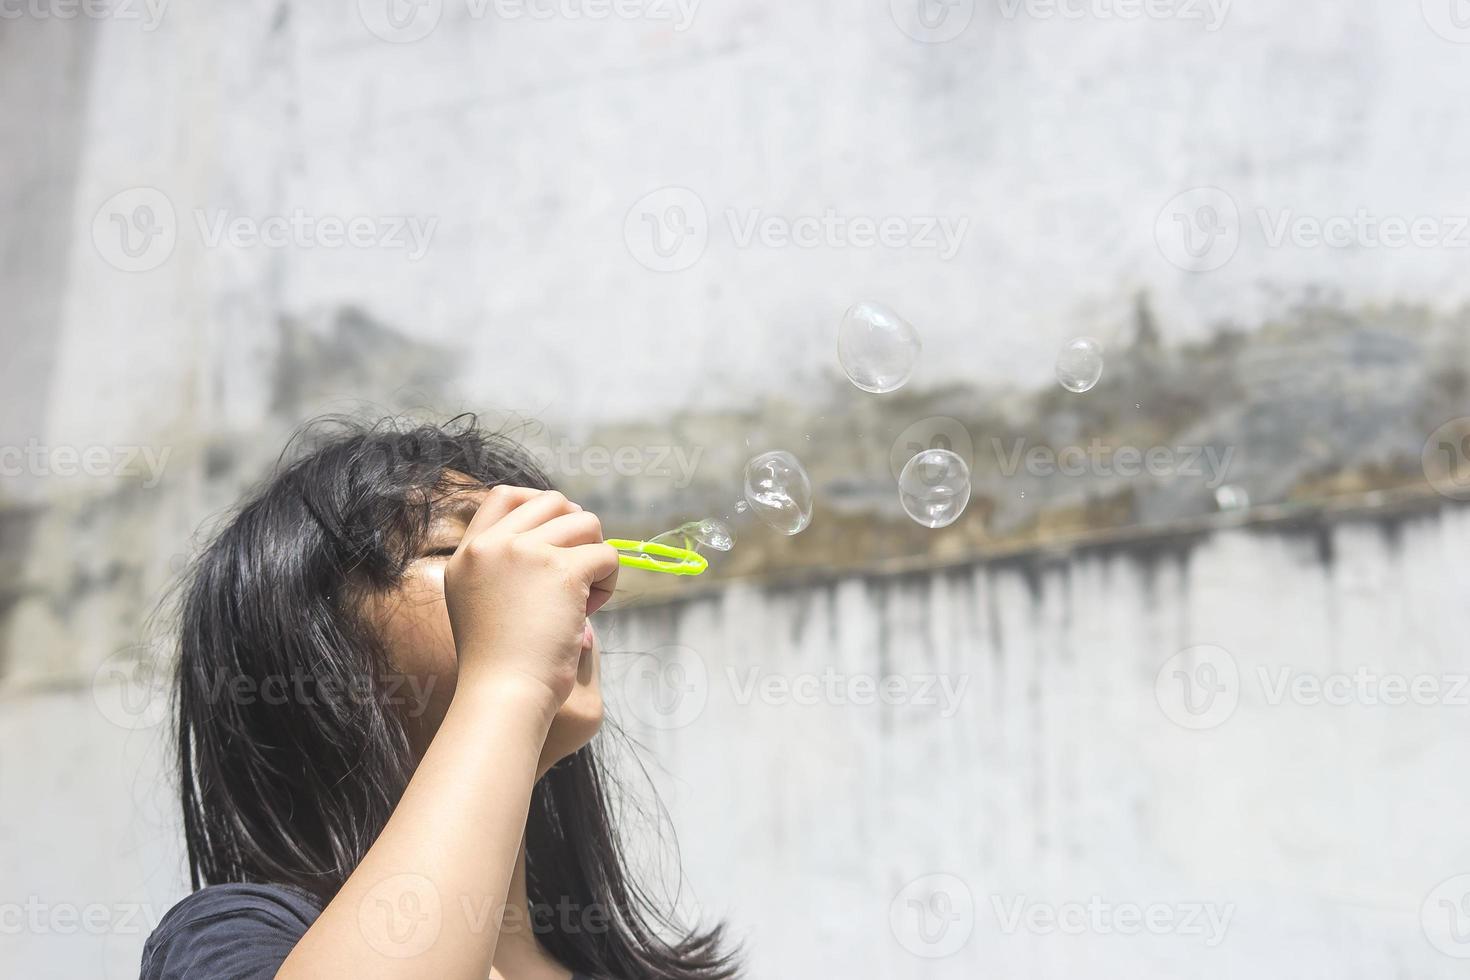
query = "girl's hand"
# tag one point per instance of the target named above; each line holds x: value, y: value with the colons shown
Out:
x: 530, y: 569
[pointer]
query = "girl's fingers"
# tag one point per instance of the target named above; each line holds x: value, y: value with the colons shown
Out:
x: 498, y: 502
x: 569, y: 530
x: 600, y: 563
x: 533, y: 513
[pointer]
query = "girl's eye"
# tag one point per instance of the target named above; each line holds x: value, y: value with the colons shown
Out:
x: 445, y: 552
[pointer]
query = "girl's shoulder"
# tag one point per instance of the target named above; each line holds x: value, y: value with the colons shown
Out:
x: 241, y: 929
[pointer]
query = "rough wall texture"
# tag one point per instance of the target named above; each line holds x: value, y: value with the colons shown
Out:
x: 1032, y: 753
x: 551, y: 165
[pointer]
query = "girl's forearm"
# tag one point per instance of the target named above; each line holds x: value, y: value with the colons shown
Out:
x: 426, y: 900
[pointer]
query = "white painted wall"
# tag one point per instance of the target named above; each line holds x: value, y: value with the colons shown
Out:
x: 528, y: 143
x: 1052, y: 774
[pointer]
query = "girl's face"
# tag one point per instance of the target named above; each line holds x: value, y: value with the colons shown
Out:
x: 413, y: 625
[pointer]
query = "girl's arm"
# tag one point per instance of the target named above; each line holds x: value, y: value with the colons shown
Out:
x: 530, y: 568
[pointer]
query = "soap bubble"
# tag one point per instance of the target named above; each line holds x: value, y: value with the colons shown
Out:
x: 877, y: 348
x: 1080, y: 364
x: 934, y: 487
x: 1232, y: 497
x: 710, y: 533
x: 779, y: 491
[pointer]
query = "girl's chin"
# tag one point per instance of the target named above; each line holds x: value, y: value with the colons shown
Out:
x: 575, y: 725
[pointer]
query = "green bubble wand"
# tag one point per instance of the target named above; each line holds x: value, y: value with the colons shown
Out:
x: 651, y: 556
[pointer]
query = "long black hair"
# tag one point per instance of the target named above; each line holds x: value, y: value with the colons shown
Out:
x: 294, y: 789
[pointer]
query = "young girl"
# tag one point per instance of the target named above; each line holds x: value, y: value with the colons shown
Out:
x: 387, y: 686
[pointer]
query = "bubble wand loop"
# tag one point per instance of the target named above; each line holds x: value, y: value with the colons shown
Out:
x: 651, y: 556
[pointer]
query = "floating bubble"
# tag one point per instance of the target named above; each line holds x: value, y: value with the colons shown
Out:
x: 779, y: 491
x: 934, y: 487
x: 877, y: 348
x: 1231, y: 497
x: 1080, y: 364
x: 710, y: 533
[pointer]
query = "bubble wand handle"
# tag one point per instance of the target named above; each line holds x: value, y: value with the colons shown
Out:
x: 654, y: 557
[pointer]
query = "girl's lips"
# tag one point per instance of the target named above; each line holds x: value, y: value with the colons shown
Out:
x: 588, y: 637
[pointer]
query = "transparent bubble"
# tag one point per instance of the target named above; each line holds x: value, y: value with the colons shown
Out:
x: 1231, y: 497
x: 1080, y: 364
x: 877, y: 348
x: 934, y: 487
x: 711, y: 533
x: 779, y: 491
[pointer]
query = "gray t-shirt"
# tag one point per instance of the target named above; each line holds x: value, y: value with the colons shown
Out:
x: 230, y: 932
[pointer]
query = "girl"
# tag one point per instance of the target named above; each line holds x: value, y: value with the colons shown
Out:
x: 386, y: 690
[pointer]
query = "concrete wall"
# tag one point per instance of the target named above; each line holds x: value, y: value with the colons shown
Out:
x: 527, y: 144
x: 1069, y: 769
x: 1076, y: 153
x: 1034, y: 755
